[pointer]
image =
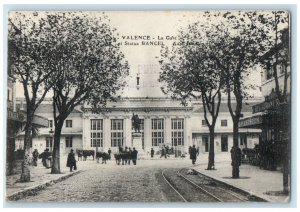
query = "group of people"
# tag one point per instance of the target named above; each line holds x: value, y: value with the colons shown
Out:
x: 46, y: 157
x: 131, y: 154
x: 165, y: 151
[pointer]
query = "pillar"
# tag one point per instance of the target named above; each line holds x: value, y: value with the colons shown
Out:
x: 147, y: 133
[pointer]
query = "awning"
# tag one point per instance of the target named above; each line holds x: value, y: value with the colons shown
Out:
x: 254, y: 121
x: 227, y: 131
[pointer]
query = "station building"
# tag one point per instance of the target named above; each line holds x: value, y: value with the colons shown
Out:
x: 163, y: 122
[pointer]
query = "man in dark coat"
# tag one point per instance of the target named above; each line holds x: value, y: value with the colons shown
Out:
x: 134, y: 156
x: 35, y: 156
x: 71, y: 162
x: 193, y: 154
x: 109, y: 153
x: 129, y: 155
x: 152, y: 152
x: 162, y: 152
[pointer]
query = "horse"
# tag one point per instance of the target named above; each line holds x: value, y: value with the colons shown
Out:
x: 103, y: 155
x: 85, y: 153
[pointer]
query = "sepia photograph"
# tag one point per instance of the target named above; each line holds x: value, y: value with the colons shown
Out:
x: 174, y: 106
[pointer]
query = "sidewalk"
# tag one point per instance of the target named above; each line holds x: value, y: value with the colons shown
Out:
x: 252, y: 180
x: 40, y: 178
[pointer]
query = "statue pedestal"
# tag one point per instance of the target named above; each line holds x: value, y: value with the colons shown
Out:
x: 137, y: 141
x: 138, y: 144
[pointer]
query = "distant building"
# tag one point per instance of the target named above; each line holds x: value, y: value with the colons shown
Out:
x: 71, y: 135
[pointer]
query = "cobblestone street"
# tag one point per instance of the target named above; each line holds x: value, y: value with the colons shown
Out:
x: 110, y: 182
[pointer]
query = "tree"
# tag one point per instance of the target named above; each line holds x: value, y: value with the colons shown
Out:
x: 90, y: 66
x: 237, y: 41
x: 188, y: 72
x: 29, y: 56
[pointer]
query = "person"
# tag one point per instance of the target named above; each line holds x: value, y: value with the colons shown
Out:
x: 109, y: 153
x: 166, y: 151
x: 162, y: 152
x: 45, y: 158
x: 190, y: 149
x: 35, y: 156
x: 129, y: 155
x: 198, y: 151
x: 193, y: 154
x: 71, y: 162
x: 152, y: 152
x: 134, y: 156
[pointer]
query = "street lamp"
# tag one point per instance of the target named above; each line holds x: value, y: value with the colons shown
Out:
x: 138, y: 81
x: 52, y: 135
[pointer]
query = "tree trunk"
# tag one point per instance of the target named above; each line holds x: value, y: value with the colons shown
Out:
x: 56, y: 149
x: 234, y: 154
x: 211, y: 156
x: 25, y: 173
x: 286, y: 166
x: 285, y: 123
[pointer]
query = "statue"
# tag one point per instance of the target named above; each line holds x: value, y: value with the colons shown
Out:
x: 136, y: 123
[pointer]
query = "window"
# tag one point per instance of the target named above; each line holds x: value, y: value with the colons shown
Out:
x: 269, y: 71
x: 157, y: 132
x: 204, y: 122
x: 224, y: 123
x: 177, y: 132
x: 49, y: 142
x: 50, y: 123
x: 96, y: 133
x: 205, y: 143
x: 224, y: 143
x: 69, y: 123
x: 69, y: 141
x: 116, y: 132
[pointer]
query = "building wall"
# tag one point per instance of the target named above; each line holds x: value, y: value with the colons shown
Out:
x: 39, y: 142
x: 199, y: 130
x: 167, y: 117
x: 193, y: 129
x: 267, y: 85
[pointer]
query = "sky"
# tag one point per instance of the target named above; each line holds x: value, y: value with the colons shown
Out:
x: 135, y: 31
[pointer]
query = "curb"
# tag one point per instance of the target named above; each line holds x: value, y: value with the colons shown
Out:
x: 31, y: 191
x: 251, y: 196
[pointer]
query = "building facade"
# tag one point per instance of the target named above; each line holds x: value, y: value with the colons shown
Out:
x: 163, y: 122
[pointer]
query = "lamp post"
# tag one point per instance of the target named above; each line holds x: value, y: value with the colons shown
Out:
x: 51, y: 132
x: 138, y: 81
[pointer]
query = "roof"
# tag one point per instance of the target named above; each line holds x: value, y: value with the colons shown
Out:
x: 48, y: 108
x: 246, y: 107
x: 141, y: 103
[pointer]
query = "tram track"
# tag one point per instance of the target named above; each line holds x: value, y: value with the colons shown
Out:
x: 202, y: 188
